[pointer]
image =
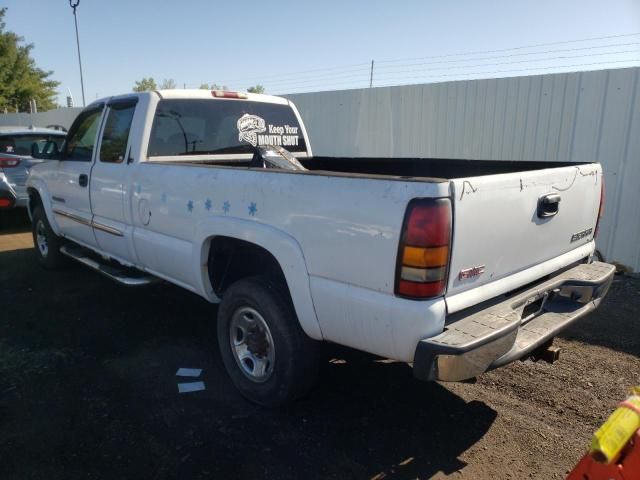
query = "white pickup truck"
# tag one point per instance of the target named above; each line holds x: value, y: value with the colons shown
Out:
x: 456, y: 267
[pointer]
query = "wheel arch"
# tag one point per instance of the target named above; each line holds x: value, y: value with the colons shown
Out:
x: 280, y: 251
x: 38, y: 196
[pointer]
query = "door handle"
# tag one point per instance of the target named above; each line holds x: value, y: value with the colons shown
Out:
x: 83, y: 180
x: 549, y: 205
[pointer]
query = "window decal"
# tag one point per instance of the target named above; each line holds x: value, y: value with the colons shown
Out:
x: 252, y: 128
x: 248, y: 128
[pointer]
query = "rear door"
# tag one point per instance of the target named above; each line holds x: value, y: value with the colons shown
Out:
x: 69, y: 181
x: 503, y: 224
x: 109, y: 185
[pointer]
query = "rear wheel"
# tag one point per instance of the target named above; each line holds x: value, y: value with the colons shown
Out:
x: 47, y: 244
x: 269, y: 358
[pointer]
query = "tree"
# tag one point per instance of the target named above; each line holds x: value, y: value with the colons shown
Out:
x: 168, y: 84
x: 20, y: 79
x: 257, y: 89
x: 213, y: 86
x: 145, y: 85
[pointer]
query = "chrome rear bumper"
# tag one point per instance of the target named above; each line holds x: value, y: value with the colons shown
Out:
x: 514, y: 328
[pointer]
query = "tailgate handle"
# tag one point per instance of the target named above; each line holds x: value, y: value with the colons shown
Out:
x: 548, y: 205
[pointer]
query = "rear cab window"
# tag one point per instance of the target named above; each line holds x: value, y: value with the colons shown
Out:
x: 211, y: 127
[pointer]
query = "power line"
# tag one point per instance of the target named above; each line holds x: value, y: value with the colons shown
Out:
x: 461, y: 74
x: 452, y: 67
x: 525, y: 69
x: 362, y: 66
x: 561, y: 50
x: 522, y: 47
x: 385, y: 69
x: 425, y: 78
x: 348, y: 67
x: 620, y: 52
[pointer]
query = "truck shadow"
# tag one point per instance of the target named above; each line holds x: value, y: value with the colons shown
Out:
x: 390, y: 425
x: 87, y: 382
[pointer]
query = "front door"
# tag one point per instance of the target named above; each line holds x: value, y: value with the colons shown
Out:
x: 109, y: 187
x: 69, y: 187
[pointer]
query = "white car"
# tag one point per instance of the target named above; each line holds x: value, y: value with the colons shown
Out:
x: 456, y: 267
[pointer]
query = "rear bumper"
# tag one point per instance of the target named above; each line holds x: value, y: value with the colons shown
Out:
x: 514, y: 328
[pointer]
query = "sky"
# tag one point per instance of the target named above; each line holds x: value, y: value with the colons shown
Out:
x: 296, y: 46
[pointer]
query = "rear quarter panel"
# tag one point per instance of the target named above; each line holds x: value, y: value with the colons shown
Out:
x: 347, y: 227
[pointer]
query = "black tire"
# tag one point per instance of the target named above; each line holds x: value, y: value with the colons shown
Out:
x: 49, y: 255
x: 295, y: 355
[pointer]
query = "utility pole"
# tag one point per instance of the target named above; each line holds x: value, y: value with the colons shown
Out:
x: 371, y: 76
x: 74, y: 5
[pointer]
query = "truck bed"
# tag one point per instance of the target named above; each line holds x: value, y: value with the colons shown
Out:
x: 426, y: 169
x: 440, y: 168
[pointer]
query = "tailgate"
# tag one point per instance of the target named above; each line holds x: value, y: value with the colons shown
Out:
x: 503, y: 224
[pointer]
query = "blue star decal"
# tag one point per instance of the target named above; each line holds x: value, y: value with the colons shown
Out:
x: 163, y: 198
x: 226, y: 206
x: 190, y: 206
x: 208, y: 204
x: 253, y: 209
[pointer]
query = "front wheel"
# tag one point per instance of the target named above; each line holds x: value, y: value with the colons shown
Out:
x: 47, y: 244
x: 269, y: 358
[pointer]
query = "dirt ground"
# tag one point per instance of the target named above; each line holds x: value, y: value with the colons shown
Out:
x: 88, y: 390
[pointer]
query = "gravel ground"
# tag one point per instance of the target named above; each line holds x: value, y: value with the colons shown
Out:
x: 88, y: 390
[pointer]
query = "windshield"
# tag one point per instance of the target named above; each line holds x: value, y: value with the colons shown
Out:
x: 29, y: 144
x: 193, y: 127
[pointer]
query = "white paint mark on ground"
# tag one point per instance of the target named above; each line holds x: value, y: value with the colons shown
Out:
x: 190, y: 387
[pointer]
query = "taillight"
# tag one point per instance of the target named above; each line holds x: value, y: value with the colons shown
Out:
x: 9, y: 162
x: 601, y: 207
x: 228, y: 94
x: 423, y: 256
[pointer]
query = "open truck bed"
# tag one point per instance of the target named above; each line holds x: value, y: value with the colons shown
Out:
x: 437, y: 168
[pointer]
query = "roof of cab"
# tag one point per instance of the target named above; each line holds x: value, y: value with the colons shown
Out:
x: 206, y: 94
x: 192, y: 94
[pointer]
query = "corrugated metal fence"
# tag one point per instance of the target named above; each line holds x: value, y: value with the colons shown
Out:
x: 583, y: 116
x: 61, y: 116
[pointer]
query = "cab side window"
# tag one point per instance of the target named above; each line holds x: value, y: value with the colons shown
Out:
x: 116, y: 133
x: 81, y: 139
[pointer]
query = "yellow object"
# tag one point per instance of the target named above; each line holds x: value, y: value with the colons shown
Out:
x: 615, y: 433
x: 425, y: 257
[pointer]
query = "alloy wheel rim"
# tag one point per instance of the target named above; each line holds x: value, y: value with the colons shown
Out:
x: 41, y: 238
x: 252, y: 344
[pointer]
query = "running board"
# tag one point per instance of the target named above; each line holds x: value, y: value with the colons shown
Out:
x: 123, y: 275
